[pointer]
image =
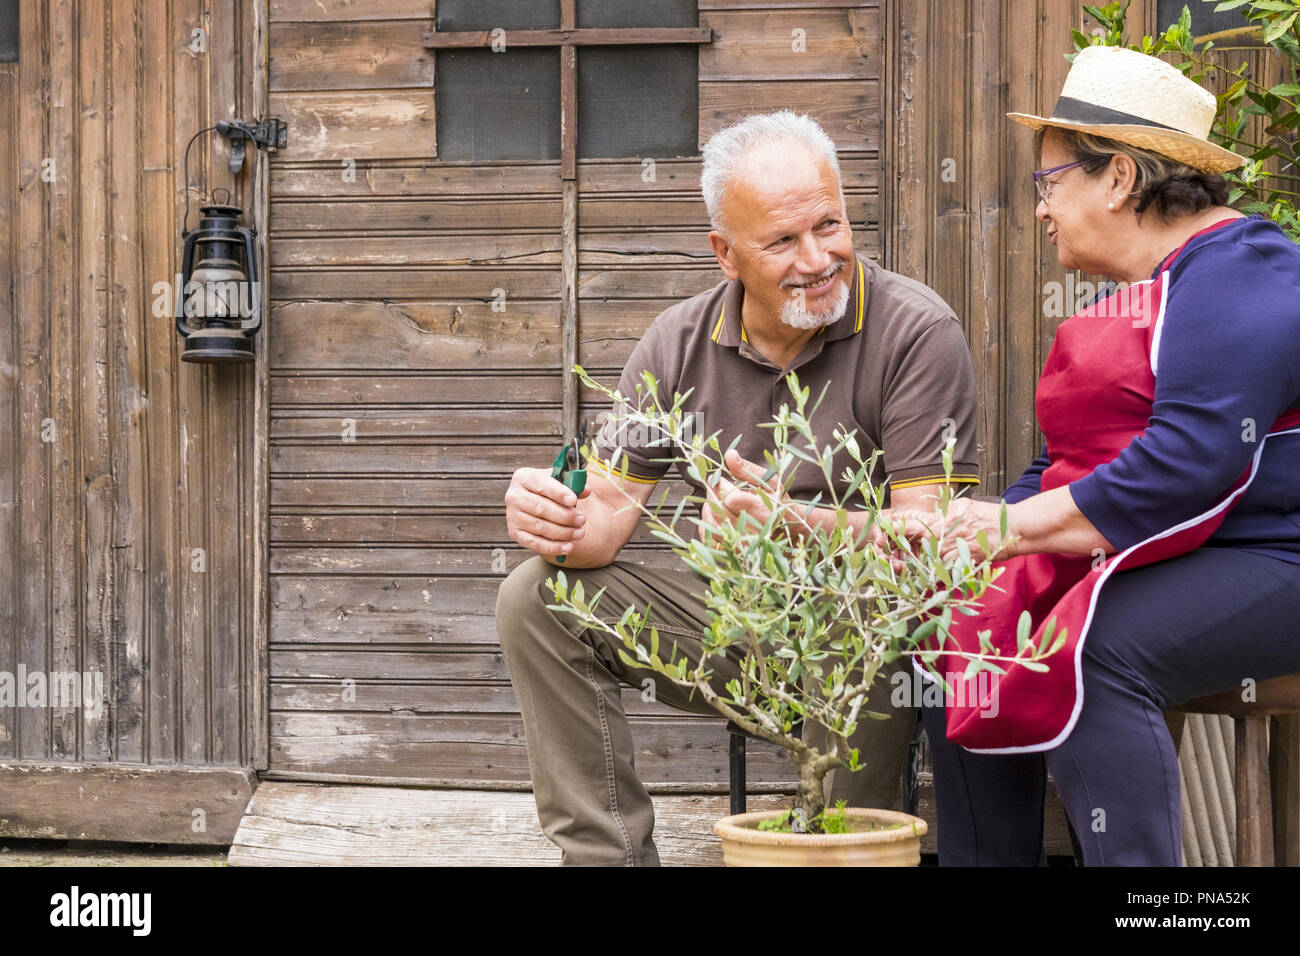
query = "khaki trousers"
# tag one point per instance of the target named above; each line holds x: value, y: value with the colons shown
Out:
x: 590, y: 801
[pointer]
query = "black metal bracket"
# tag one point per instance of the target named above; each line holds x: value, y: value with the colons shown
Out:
x: 270, y: 134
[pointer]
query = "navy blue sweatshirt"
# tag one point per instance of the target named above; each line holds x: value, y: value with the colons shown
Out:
x: 1228, y: 366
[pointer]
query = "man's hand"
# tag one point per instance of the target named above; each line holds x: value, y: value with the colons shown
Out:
x: 542, y: 514
x: 726, y: 501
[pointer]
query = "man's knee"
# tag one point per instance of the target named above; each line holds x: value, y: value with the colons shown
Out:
x: 522, y: 595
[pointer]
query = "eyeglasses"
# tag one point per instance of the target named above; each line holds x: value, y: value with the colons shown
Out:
x: 1045, y: 185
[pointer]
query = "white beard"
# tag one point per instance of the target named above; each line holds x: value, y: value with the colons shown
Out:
x: 799, y: 318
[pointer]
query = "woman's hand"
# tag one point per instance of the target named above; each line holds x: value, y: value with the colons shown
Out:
x: 965, y: 520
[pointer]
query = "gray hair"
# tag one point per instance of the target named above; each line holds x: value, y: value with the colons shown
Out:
x: 726, y: 148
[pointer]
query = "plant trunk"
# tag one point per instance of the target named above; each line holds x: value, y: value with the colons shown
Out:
x: 811, y: 797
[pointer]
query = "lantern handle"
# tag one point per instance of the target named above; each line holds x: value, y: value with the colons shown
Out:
x: 185, y: 223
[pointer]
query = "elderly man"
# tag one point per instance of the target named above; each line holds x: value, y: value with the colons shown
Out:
x: 796, y: 297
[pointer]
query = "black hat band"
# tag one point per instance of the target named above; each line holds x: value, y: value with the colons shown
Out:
x: 1079, y: 111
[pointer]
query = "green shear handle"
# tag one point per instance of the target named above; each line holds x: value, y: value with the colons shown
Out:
x: 565, y: 469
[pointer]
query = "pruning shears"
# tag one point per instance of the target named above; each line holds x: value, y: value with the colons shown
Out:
x: 565, y: 469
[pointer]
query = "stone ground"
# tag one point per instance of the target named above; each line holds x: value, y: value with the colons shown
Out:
x: 92, y: 853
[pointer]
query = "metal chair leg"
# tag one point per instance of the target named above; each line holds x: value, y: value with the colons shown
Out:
x: 912, y: 769
x: 737, y: 773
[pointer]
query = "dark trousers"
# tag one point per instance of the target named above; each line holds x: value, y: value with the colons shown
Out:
x: 1161, y: 635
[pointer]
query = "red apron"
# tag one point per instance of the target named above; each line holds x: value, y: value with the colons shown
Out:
x: 1095, y: 397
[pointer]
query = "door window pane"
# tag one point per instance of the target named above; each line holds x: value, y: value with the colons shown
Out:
x: 456, y: 15
x: 638, y: 13
x: 8, y: 31
x: 498, y: 105
x: 632, y: 100
x: 1204, y: 19
x: 638, y: 101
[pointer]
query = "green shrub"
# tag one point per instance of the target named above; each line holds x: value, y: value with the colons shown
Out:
x: 814, y: 614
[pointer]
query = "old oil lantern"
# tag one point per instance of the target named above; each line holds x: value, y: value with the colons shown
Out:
x: 222, y: 292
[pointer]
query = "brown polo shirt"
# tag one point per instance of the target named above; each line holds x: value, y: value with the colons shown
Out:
x: 897, y: 364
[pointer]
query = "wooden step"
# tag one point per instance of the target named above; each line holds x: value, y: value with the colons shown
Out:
x: 305, y: 824
x: 313, y: 824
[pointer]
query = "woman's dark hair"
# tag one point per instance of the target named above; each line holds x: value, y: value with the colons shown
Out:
x: 1172, y: 188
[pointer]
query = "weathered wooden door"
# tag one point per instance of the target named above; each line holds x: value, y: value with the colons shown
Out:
x: 129, y: 492
x: 417, y: 334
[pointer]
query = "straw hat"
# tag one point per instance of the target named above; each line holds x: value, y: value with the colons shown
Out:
x: 1139, y: 100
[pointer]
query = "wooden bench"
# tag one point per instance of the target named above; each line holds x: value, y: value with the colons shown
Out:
x: 1267, y: 772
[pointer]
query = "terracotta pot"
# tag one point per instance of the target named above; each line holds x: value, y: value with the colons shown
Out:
x: 743, y: 845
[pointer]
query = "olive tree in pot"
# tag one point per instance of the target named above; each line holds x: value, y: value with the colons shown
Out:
x: 814, y: 613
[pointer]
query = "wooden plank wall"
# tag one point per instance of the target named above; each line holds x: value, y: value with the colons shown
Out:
x: 387, y: 550
x: 150, y: 458
x: 959, y: 202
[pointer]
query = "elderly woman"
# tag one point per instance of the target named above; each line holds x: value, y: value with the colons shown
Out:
x: 1161, y: 526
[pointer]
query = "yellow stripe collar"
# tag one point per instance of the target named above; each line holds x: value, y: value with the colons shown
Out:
x: 722, y: 324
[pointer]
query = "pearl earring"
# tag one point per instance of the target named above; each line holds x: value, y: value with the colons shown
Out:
x: 1110, y: 205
